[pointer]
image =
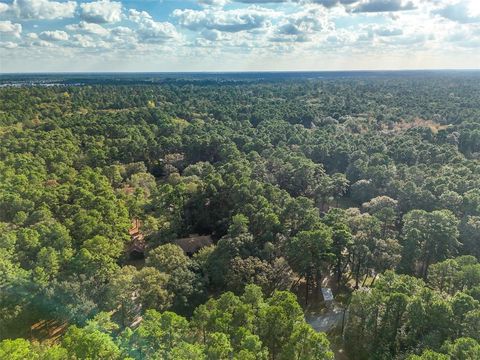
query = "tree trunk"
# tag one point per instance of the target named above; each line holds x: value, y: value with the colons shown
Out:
x: 384, y: 229
x: 357, y: 276
x: 338, y: 271
x: 307, y: 281
x: 426, y: 265
x: 365, y: 280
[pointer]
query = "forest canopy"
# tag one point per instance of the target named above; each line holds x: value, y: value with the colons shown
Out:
x: 200, y: 219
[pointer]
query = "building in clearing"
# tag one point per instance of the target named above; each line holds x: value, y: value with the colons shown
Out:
x: 193, y: 243
x: 137, y: 246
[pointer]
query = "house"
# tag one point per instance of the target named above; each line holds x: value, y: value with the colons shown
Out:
x: 193, y: 243
x: 137, y: 245
x: 135, y: 229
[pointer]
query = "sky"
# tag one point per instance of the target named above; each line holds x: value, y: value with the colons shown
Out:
x: 238, y: 35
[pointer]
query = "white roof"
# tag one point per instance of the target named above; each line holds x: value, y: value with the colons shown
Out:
x: 327, y: 294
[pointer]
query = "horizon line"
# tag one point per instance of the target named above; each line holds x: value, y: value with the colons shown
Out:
x: 233, y: 71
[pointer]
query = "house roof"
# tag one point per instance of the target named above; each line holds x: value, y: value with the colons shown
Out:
x: 327, y: 294
x: 135, y: 229
x: 193, y: 243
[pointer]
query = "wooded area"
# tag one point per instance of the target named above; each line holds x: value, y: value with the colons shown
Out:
x: 247, y: 196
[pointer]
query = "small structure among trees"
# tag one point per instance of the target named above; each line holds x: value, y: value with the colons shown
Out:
x: 327, y: 294
x: 193, y: 243
x: 136, y: 248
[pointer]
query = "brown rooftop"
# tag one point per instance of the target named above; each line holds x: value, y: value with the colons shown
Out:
x: 193, y: 243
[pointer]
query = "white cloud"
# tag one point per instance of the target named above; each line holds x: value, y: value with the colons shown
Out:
x: 10, y: 28
x: 157, y: 32
x: 464, y: 36
x: 466, y: 11
x: 388, y: 31
x: 262, y: 1
x: 226, y: 20
x: 332, y: 3
x: 8, y: 45
x: 151, y: 31
x: 295, y: 33
x: 374, y: 6
x: 42, y: 43
x: 86, y: 41
x: 300, y: 26
x: 214, y: 3
x: 211, y: 35
x: 324, y: 3
x: 41, y: 9
x: 56, y: 35
x: 103, y: 11
x: 122, y: 31
x: 90, y: 28
x: 4, y: 7
x: 138, y: 16
x: 408, y: 40
x: 123, y: 37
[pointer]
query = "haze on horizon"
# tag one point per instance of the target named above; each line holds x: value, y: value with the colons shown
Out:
x: 238, y: 35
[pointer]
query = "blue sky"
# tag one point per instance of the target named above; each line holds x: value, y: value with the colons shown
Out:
x: 238, y: 35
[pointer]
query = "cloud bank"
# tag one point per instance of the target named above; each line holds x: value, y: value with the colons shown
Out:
x: 238, y: 34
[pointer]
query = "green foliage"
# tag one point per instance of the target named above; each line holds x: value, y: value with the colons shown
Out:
x: 428, y: 238
x: 230, y: 327
x: 299, y: 179
x: 90, y: 344
x: 18, y: 349
x: 401, y: 314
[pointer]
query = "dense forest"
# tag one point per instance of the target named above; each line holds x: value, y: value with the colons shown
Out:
x: 199, y: 219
